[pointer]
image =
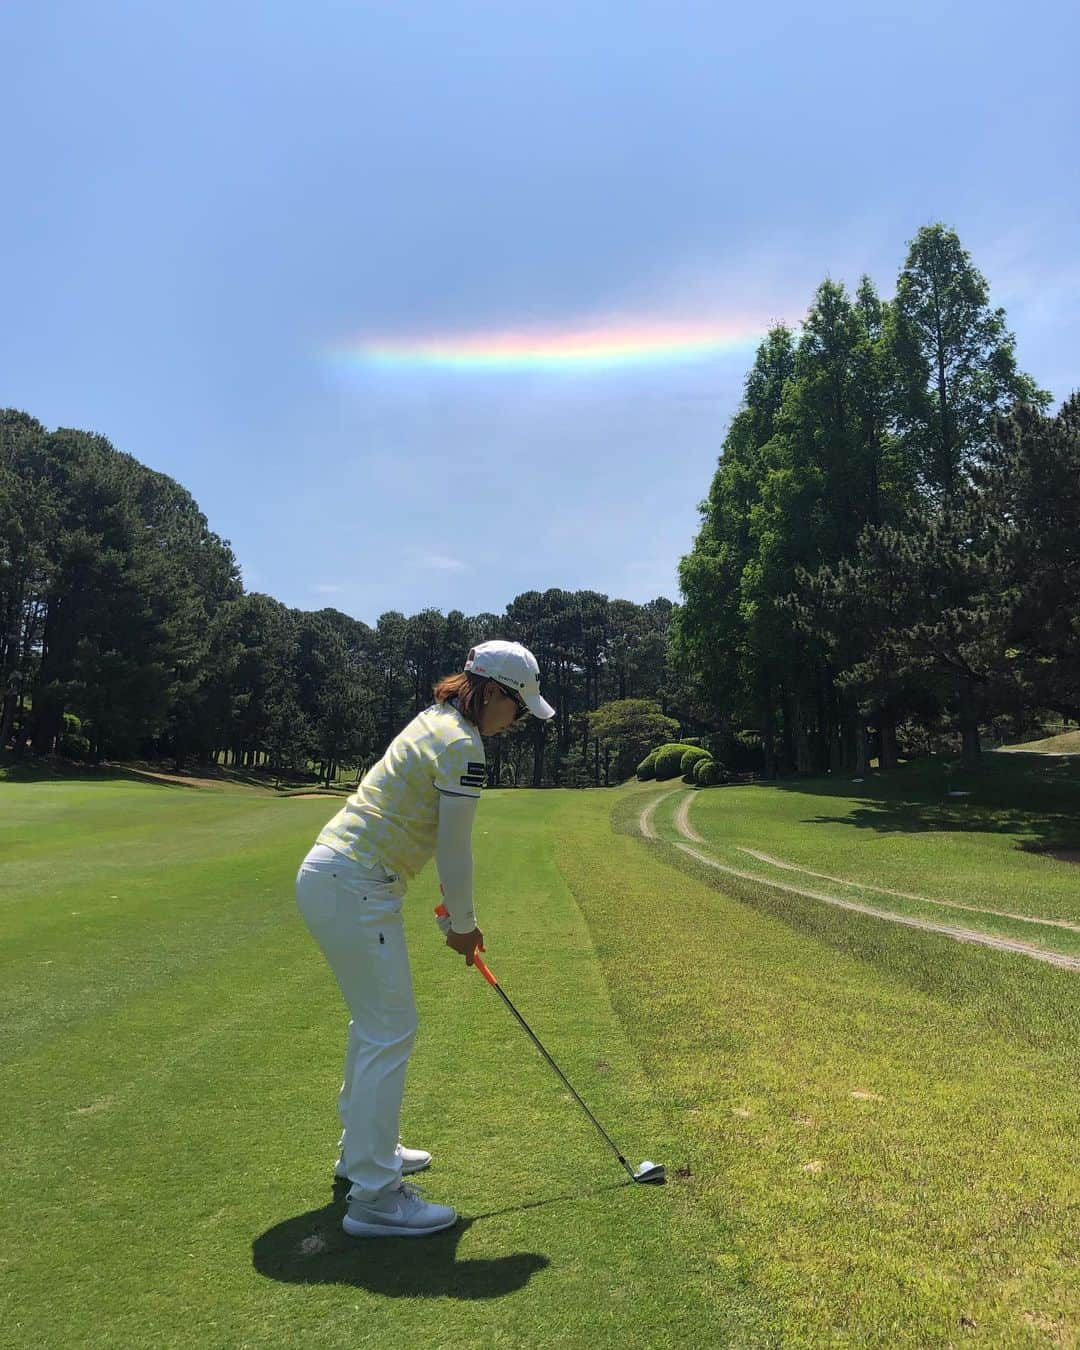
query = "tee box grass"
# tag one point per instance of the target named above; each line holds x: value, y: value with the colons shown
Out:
x: 869, y: 1131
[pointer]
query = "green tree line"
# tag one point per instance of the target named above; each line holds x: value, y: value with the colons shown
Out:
x: 891, y: 541
x: 125, y: 631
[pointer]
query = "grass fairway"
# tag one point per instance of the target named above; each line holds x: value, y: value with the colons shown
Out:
x: 1065, y: 743
x: 870, y: 1131
x: 977, y: 850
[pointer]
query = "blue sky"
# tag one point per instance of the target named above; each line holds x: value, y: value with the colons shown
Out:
x: 204, y: 201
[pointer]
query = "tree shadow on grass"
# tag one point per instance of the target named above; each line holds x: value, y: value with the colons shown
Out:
x: 55, y: 770
x: 1037, y: 801
x: 912, y: 818
x: 312, y: 1249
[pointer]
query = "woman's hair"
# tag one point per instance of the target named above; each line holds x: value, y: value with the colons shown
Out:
x: 467, y: 688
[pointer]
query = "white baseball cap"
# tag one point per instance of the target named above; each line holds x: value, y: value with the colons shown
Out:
x: 515, y: 666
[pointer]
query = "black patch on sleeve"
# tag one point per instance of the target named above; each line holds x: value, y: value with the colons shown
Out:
x: 477, y: 768
x: 468, y: 780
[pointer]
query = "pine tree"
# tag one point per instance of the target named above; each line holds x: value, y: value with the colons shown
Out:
x: 1032, y: 484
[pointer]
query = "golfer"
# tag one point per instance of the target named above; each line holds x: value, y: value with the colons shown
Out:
x: 418, y: 800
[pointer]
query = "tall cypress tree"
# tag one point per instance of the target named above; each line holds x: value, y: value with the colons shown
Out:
x: 711, y: 631
x: 955, y: 361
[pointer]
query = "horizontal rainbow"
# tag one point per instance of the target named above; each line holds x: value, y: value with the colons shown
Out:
x: 579, y: 349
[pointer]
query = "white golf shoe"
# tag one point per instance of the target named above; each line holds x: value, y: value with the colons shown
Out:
x: 397, y: 1213
x: 412, y: 1160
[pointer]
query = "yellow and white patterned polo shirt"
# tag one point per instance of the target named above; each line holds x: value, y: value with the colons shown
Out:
x: 393, y: 816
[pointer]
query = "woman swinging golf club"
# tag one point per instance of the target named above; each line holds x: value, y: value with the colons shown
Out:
x: 418, y: 800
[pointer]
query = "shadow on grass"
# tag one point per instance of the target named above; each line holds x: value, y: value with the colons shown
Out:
x: 312, y: 1249
x: 53, y: 770
x: 1032, y: 797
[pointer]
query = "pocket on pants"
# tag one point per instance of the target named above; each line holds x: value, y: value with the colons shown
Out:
x: 359, y: 884
x: 316, y: 895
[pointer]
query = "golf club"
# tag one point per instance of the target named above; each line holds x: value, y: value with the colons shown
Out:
x: 648, y: 1171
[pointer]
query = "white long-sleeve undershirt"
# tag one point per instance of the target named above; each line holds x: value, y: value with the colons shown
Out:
x: 453, y: 858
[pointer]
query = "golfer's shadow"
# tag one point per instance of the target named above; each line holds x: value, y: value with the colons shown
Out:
x: 313, y: 1249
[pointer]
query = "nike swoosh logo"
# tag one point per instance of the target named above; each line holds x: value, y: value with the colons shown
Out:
x: 396, y: 1213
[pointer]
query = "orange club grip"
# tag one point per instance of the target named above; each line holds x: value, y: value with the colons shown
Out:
x: 479, y: 964
x: 444, y: 913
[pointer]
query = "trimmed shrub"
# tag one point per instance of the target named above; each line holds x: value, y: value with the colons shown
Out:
x: 710, y: 773
x: 691, y: 757
x: 669, y: 759
x: 647, y: 767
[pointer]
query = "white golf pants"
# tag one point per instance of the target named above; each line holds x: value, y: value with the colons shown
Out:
x: 354, y: 914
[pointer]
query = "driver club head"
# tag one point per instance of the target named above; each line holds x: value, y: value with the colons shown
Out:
x: 650, y: 1172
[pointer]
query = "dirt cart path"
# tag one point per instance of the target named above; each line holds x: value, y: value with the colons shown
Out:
x: 683, y: 825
